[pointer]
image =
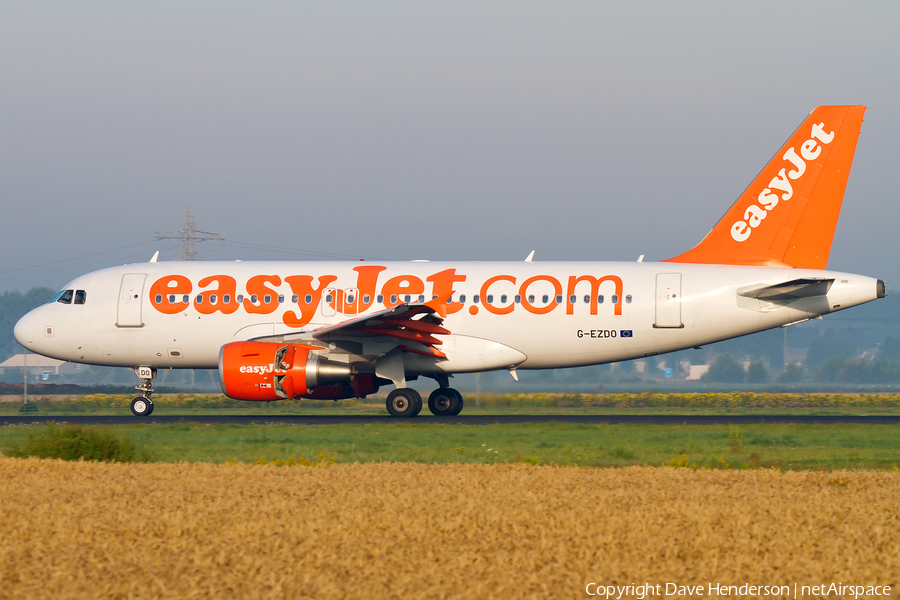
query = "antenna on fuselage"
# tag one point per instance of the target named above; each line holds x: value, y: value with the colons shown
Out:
x: 189, y: 235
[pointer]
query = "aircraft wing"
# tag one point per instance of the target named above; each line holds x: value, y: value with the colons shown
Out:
x: 789, y: 290
x: 411, y: 327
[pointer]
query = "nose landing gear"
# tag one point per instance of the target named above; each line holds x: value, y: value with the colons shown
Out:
x: 142, y: 406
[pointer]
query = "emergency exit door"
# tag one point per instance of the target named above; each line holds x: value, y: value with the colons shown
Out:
x: 668, y: 301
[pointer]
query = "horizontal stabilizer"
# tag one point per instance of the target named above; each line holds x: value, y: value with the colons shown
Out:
x: 789, y: 290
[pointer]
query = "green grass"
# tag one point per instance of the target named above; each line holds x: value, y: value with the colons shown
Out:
x: 827, y: 447
x: 73, y: 442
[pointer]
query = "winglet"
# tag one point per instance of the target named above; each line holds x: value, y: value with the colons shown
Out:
x: 155, y: 256
x: 530, y: 257
x: 788, y: 215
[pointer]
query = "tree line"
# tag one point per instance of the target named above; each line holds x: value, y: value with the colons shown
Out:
x: 13, y: 305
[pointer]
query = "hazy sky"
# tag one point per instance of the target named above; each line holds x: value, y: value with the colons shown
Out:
x: 459, y: 130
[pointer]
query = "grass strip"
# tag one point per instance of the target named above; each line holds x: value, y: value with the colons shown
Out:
x: 780, y: 446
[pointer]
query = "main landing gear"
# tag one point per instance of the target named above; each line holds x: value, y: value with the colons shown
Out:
x: 142, y: 406
x: 407, y: 402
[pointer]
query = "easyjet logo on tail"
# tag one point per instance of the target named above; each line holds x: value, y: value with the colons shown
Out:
x: 780, y: 188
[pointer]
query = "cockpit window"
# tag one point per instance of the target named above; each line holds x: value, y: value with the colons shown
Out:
x: 66, y: 296
x: 80, y: 296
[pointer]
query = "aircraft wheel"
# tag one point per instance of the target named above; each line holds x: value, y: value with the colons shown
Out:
x: 444, y: 402
x: 418, y: 405
x: 404, y: 403
x: 459, y: 402
x: 141, y: 406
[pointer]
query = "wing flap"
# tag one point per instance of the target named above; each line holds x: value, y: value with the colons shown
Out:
x: 411, y: 327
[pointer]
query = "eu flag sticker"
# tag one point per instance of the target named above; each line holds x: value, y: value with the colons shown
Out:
x: 626, y: 333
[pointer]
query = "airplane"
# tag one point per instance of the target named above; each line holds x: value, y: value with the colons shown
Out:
x: 334, y: 330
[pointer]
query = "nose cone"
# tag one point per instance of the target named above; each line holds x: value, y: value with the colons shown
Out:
x: 24, y: 330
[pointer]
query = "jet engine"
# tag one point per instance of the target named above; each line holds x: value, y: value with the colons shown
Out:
x: 271, y: 371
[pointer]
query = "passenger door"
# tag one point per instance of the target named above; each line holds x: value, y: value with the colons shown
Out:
x: 668, y: 301
x: 131, y: 295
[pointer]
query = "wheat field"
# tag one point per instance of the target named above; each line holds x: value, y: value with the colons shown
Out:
x: 409, y: 530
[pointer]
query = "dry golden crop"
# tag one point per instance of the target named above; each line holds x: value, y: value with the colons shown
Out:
x: 407, y: 530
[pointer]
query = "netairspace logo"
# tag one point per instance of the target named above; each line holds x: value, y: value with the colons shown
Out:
x: 650, y: 590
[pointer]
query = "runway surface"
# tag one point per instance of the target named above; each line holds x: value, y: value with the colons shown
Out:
x: 460, y: 420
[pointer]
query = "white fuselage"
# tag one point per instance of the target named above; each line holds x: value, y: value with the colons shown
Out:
x: 135, y: 315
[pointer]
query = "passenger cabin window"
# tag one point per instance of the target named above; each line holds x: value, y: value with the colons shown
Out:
x: 462, y: 298
x: 187, y: 299
x: 66, y: 297
x: 226, y: 299
x: 615, y: 299
x: 628, y: 299
x: 307, y: 299
x: 475, y: 299
x: 80, y: 296
x: 379, y: 299
x: 268, y: 298
x: 490, y: 298
x: 600, y: 299
x: 328, y: 298
x: 518, y: 298
x: 559, y: 299
x: 545, y: 298
x: 503, y: 299
x: 240, y: 298
x: 212, y: 298
x: 296, y: 299
x: 366, y: 298
x: 280, y: 298
x: 587, y: 299
x: 253, y: 299
x: 572, y: 299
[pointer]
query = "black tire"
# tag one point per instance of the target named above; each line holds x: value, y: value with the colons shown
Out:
x: 402, y: 403
x: 459, y: 402
x: 419, y: 404
x: 141, y: 407
x: 151, y: 409
x: 443, y: 401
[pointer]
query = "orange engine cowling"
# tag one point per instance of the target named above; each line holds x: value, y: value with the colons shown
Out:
x: 270, y: 371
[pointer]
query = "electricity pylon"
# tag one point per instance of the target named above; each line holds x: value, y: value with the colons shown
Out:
x: 189, y: 236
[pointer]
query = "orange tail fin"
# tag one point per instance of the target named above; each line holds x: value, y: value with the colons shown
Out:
x: 788, y: 214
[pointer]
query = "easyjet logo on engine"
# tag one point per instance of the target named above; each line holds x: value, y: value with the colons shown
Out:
x: 258, y: 369
x: 780, y: 188
x: 264, y: 294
